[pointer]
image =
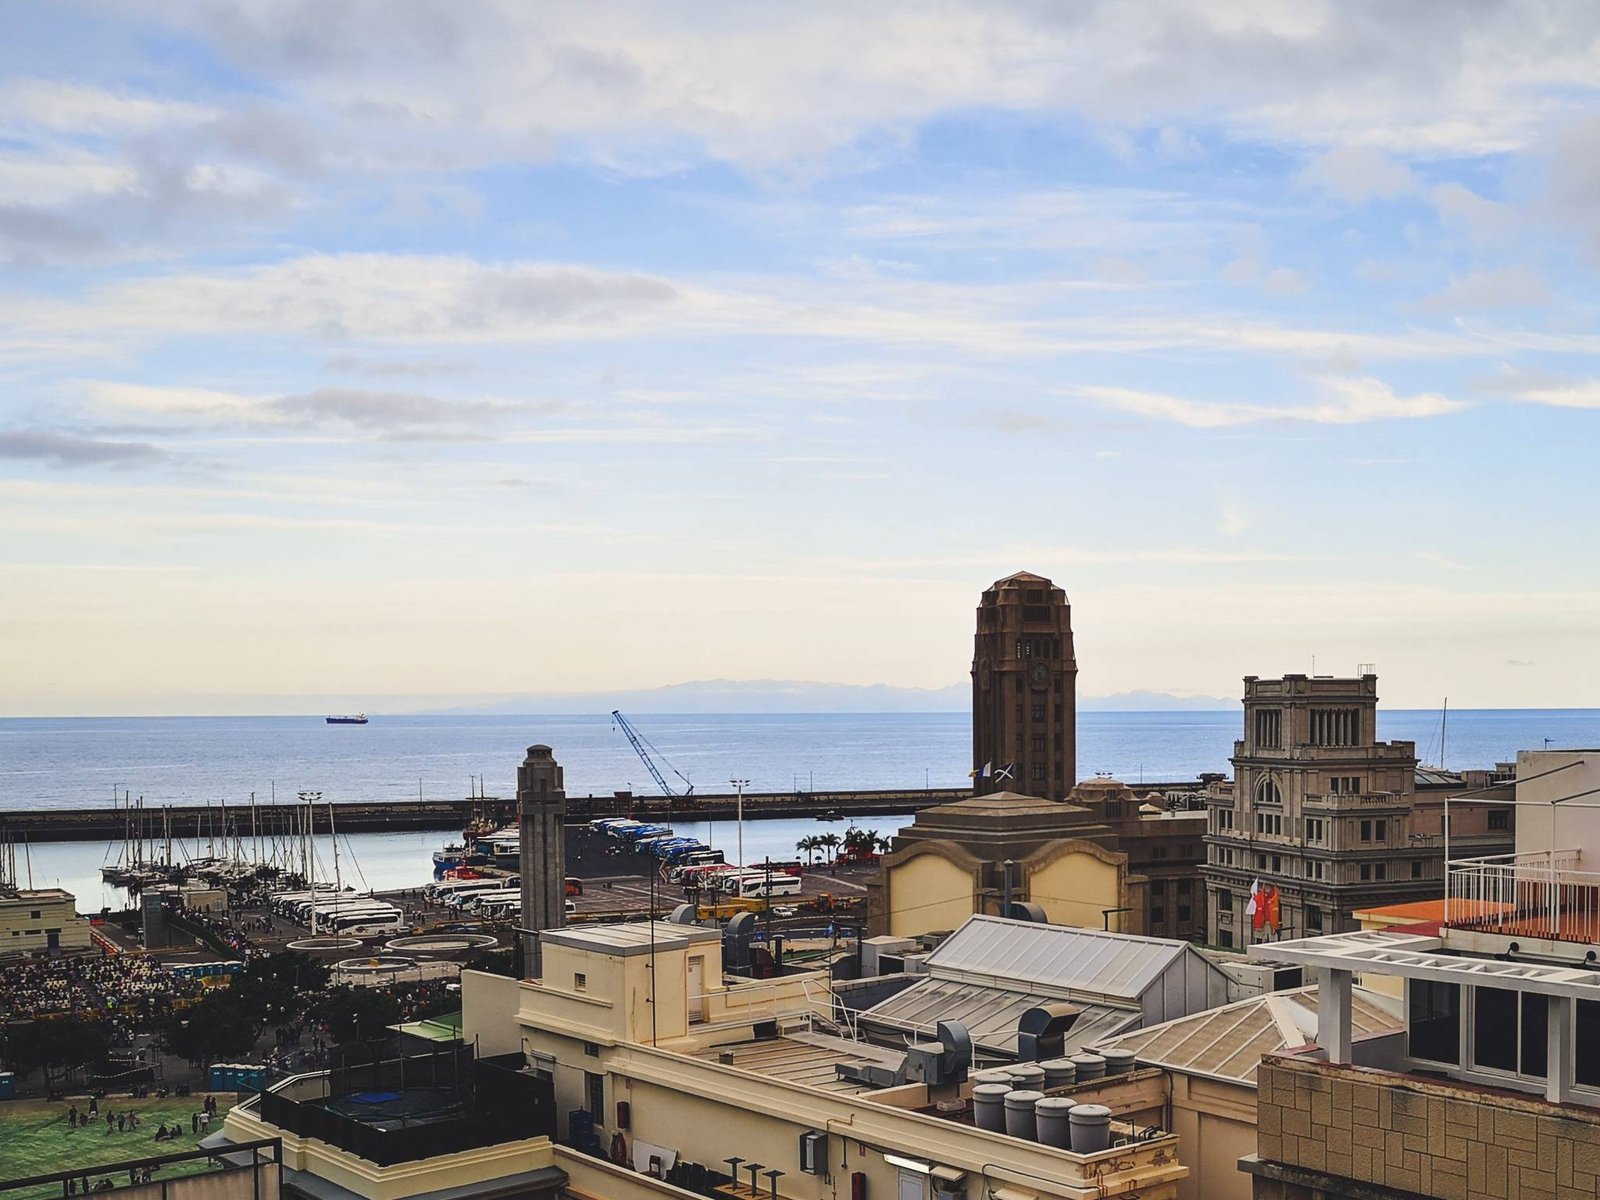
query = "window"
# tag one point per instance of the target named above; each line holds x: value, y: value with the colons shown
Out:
x: 1316, y: 869
x: 1267, y: 792
x: 1185, y: 914
x: 1261, y: 862
x: 1019, y: 692
x: 1587, y: 1049
x: 1499, y: 819
x: 1380, y: 870
x: 580, y: 981
x: 592, y: 1049
x: 1158, y: 852
x: 1225, y: 904
x: 1269, y: 728
x: 1225, y: 938
x: 1158, y: 887
x: 1345, y: 785
x: 1185, y: 887
x: 1277, y: 865
x: 1366, y: 831
x: 1434, y: 1028
x: 1416, y: 868
x: 1038, y: 743
x: 1380, y: 831
x: 1158, y: 916
x: 1313, y: 829
x: 1495, y: 1012
x: 1313, y: 919
x: 1038, y: 771
x: 595, y: 1091
x: 1366, y: 871
x: 34, y: 915
x: 1058, y: 707
x: 1335, y: 726
x: 1038, y: 712
x: 1269, y: 823
x: 1224, y: 818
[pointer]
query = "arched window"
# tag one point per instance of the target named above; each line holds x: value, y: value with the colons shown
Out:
x: 1267, y: 792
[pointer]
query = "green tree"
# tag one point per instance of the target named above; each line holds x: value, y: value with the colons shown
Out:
x: 218, y: 1026
x: 355, y: 1014
x: 493, y: 962
x: 829, y: 842
x: 270, y: 988
x: 808, y: 846
x: 61, y: 1042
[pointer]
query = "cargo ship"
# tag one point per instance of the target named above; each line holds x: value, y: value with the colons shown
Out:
x: 352, y: 719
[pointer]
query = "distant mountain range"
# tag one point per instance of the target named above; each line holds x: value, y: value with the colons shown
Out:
x: 798, y: 696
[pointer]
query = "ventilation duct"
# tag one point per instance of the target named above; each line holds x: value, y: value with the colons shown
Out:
x: 1042, y: 1030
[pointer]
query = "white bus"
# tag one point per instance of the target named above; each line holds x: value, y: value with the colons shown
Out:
x: 751, y: 884
x: 477, y: 901
x: 369, y: 924
x: 330, y: 914
x: 499, y: 910
x: 442, y: 890
x: 301, y: 909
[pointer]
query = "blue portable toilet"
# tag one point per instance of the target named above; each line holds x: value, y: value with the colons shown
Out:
x: 8, y: 1086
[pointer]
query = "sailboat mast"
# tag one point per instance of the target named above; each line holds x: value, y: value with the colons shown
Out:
x: 1444, y: 725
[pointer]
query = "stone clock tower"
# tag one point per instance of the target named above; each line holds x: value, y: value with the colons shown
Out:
x: 1024, y: 690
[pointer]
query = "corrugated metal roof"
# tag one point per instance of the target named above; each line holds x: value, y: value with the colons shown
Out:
x: 1055, y: 958
x: 989, y: 1013
x: 1228, y: 1042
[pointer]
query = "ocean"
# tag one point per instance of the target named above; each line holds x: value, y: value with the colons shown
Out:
x: 80, y: 762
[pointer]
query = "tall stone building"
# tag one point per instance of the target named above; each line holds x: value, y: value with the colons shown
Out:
x: 541, y: 816
x: 1024, y: 690
x: 1319, y: 809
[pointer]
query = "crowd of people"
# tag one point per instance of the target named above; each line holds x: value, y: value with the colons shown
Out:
x: 89, y: 987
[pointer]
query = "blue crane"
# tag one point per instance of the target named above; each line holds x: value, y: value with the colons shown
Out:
x: 642, y: 747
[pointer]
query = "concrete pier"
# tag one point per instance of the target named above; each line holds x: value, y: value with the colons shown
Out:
x: 104, y: 823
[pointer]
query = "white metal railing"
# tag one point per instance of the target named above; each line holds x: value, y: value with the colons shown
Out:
x: 1535, y: 894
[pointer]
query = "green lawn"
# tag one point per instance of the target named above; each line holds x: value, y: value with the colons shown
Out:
x: 35, y: 1139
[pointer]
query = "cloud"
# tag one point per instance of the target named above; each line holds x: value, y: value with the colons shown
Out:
x: 1553, y: 391
x: 1484, y: 220
x: 1503, y: 287
x: 67, y: 450
x: 384, y: 297
x: 1357, y: 174
x: 386, y: 412
x: 643, y: 88
x: 78, y: 108
x: 1346, y: 401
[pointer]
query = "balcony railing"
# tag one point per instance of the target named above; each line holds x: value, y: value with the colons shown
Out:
x: 1532, y: 895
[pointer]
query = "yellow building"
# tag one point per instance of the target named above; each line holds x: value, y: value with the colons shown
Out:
x: 659, y: 1063
x: 1104, y: 858
x: 41, y: 921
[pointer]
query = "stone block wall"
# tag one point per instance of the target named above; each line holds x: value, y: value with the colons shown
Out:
x: 1327, y: 1130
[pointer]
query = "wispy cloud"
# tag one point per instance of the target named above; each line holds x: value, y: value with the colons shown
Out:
x: 1348, y: 401
x: 68, y: 450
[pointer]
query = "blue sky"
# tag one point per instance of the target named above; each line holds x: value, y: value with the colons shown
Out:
x: 438, y: 350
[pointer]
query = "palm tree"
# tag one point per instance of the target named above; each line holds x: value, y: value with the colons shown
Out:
x: 830, y: 842
x: 808, y: 844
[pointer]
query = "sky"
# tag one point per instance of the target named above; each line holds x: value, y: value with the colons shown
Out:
x: 370, y: 351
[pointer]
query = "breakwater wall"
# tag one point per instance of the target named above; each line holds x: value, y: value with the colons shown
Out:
x: 105, y: 823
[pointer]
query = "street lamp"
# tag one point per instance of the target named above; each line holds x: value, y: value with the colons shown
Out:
x: 739, y: 787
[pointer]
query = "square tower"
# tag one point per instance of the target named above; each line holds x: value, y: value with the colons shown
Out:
x: 541, y: 817
x: 1024, y: 690
x: 1319, y: 810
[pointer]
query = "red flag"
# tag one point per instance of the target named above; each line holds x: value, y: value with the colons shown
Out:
x: 1273, y: 913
